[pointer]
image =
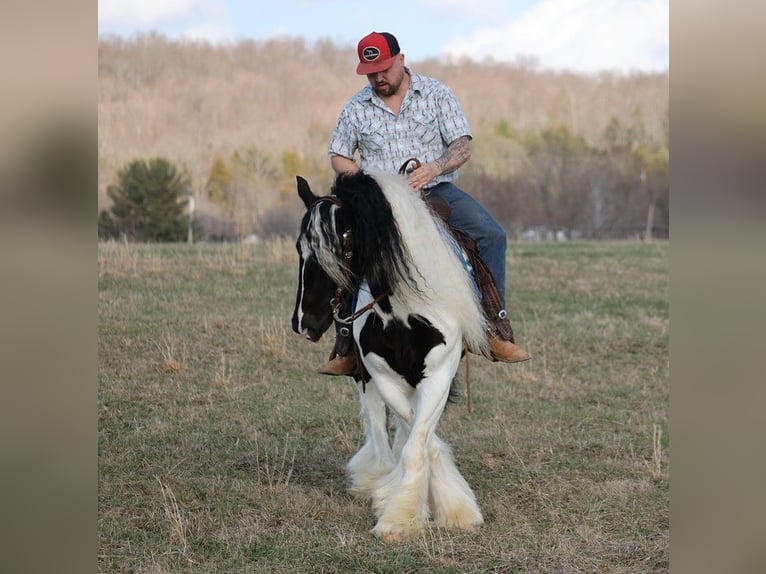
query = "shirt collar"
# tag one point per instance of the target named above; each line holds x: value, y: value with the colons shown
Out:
x: 416, y: 85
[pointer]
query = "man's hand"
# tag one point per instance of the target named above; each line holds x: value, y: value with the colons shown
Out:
x: 421, y: 176
x: 456, y: 154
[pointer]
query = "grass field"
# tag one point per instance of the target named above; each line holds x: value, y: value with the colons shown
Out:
x: 222, y: 450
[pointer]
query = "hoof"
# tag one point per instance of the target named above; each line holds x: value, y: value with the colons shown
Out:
x: 467, y: 523
x: 394, y: 538
x: 393, y: 535
x: 464, y: 526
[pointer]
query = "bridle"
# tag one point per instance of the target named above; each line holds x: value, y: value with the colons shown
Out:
x: 348, y: 253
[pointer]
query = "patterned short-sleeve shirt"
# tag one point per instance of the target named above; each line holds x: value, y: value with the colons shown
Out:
x: 429, y: 120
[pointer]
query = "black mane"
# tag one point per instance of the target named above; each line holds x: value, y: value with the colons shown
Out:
x: 379, y: 255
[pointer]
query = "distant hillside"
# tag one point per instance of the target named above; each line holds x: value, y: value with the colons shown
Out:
x: 192, y: 101
x: 254, y: 114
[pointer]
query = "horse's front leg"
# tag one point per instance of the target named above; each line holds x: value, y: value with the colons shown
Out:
x: 375, y: 459
x: 401, y: 502
x: 451, y: 500
x: 453, y: 503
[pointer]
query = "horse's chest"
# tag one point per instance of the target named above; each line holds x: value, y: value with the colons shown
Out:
x: 403, y: 345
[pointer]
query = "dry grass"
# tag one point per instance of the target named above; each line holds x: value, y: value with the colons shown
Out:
x: 223, y: 373
x: 169, y: 361
x: 275, y: 469
x: 281, y: 250
x: 657, y: 463
x: 206, y: 393
x: 177, y: 523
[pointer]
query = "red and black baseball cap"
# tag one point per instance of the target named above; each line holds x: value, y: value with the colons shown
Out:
x: 376, y: 52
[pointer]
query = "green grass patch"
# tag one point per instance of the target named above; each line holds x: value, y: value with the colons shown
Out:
x: 222, y: 450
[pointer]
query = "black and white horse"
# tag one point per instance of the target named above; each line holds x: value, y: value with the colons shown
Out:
x: 419, y: 308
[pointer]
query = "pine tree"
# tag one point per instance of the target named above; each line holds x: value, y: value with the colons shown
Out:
x: 149, y: 203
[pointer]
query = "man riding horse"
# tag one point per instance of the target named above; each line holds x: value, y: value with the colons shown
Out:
x: 400, y: 115
x: 416, y: 309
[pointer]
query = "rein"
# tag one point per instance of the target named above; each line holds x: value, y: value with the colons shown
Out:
x: 405, y: 169
x: 370, y: 306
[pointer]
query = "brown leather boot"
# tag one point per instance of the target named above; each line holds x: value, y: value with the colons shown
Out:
x: 507, y: 352
x: 341, y: 365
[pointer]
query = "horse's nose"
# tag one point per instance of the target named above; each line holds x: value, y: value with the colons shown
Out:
x: 299, y: 328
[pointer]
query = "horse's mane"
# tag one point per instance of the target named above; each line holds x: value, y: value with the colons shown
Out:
x: 399, y: 244
x: 380, y: 255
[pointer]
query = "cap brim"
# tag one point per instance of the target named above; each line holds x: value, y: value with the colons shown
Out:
x: 365, y: 68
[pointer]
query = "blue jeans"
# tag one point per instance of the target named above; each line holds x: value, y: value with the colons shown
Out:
x: 469, y: 216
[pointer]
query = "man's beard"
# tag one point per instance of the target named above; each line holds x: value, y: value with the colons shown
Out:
x: 387, y: 89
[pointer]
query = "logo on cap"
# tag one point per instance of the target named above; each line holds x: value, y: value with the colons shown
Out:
x: 371, y: 53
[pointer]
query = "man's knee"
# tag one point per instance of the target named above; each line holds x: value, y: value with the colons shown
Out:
x: 496, y: 235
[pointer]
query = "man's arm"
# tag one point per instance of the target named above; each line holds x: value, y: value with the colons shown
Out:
x: 341, y: 164
x: 456, y: 154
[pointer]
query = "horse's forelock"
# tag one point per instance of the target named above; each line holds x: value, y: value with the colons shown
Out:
x: 320, y: 239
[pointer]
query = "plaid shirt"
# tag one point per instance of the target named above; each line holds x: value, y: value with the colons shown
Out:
x: 429, y: 120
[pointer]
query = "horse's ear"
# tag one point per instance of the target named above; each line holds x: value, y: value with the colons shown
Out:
x: 305, y: 193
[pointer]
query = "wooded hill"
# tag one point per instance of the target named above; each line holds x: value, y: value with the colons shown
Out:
x: 583, y: 155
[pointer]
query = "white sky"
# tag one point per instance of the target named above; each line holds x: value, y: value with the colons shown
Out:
x: 579, y: 35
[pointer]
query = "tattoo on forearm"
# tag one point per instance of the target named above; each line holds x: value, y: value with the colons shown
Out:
x: 458, y: 152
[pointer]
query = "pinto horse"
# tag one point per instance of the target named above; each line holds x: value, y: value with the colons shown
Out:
x: 415, y: 309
